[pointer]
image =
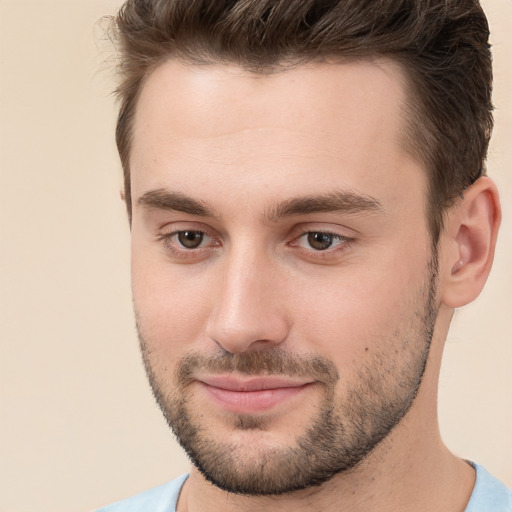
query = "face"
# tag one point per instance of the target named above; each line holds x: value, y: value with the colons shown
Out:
x: 283, y: 278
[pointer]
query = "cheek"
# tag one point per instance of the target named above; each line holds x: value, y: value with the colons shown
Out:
x: 171, y: 306
x: 354, y: 315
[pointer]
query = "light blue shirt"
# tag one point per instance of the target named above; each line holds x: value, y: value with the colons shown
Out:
x: 163, y: 498
x: 489, y: 495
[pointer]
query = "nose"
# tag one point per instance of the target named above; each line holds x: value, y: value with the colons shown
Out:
x: 249, y: 310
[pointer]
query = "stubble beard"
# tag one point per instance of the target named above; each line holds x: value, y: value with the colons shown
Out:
x: 338, y: 438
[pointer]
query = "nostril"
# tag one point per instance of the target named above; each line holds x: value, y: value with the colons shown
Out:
x: 241, y: 333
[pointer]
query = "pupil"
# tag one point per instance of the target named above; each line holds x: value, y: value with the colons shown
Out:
x: 190, y: 239
x: 320, y: 241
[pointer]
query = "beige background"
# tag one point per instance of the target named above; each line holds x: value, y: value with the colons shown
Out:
x: 78, y: 425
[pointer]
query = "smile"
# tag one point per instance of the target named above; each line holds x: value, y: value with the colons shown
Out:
x: 248, y: 396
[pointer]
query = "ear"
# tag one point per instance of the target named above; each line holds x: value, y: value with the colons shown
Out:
x: 469, y: 239
x: 121, y: 195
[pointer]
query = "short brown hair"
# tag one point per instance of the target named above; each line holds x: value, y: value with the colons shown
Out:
x: 442, y: 46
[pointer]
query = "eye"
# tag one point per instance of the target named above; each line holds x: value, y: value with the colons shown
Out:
x: 190, y: 239
x: 320, y: 241
x: 188, y: 243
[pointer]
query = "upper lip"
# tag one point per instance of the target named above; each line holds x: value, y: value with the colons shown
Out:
x: 236, y: 383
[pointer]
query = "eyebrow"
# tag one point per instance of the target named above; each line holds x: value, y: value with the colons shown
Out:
x: 340, y: 201
x: 161, y: 199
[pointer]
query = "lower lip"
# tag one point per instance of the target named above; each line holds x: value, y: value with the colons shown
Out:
x: 248, y: 402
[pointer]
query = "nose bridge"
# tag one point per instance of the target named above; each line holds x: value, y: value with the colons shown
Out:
x: 248, y: 306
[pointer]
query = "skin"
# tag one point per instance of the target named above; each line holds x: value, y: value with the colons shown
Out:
x: 243, y: 146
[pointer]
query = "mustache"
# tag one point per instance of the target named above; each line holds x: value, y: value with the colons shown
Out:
x: 258, y: 363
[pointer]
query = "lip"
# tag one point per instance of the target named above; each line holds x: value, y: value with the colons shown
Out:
x: 251, y: 395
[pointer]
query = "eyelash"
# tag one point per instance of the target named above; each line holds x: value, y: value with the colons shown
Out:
x: 344, y: 243
x: 178, y: 250
x: 182, y: 252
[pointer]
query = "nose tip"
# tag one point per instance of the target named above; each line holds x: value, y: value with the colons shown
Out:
x: 237, y: 330
x: 238, y: 339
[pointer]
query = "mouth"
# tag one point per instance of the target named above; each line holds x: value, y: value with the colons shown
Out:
x: 254, y: 394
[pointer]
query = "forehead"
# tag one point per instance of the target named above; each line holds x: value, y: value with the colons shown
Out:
x: 188, y: 99
x: 299, y: 127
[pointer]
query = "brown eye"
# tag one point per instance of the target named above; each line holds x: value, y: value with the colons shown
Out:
x: 190, y: 239
x: 320, y: 241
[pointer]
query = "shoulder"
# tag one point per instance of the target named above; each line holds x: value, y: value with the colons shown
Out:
x: 159, y: 499
x: 489, y: 494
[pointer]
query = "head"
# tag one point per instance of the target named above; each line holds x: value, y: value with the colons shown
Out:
x: 289, y: 170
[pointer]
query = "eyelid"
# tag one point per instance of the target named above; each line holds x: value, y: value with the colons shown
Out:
x: 173, y: 228
x: 341, y: 238
x: 335, y: 236
x: 335, y: 230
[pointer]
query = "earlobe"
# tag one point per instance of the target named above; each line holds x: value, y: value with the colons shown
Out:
x: 470, y: 235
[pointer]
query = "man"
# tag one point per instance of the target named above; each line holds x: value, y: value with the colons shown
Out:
x: 308, y: 204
